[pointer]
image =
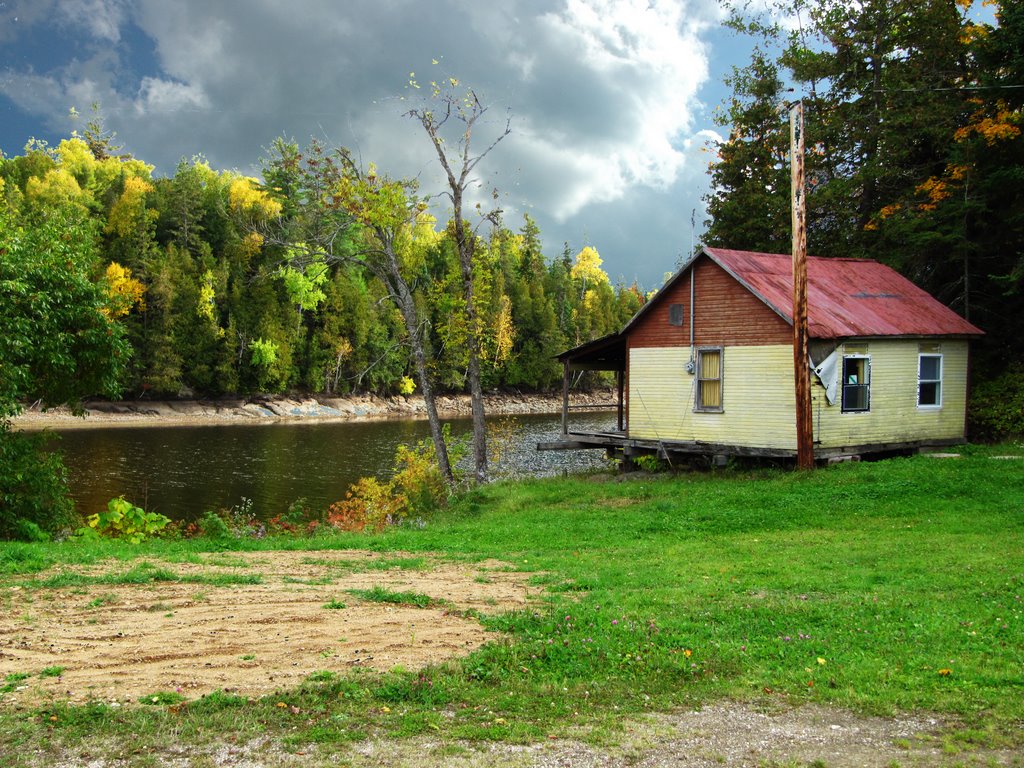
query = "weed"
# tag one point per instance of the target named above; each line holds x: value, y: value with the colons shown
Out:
x: 378, y: 594
x: 12, y: 680
x: 335, y: 605
x: 163, y: 698
x: 52, y: 672
x: 99, y: 602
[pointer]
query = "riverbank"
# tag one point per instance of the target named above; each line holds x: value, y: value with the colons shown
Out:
x: 167, y: 413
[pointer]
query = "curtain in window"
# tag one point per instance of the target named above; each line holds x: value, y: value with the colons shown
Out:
x: 711, y: 379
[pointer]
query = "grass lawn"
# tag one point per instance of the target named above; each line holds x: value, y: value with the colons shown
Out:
x: 881, y: 587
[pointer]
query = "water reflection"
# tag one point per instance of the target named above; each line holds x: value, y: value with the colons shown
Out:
x: 183, y: 471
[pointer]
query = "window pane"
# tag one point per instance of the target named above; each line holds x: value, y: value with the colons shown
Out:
x: 930, y: 367
x: 710, y: 365
x: 854, y: 369
x: 928, y: 393
x: 855, y: 397
x: 711, y: 394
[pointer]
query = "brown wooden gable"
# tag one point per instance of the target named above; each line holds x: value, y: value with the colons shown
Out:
x: 726, y: 314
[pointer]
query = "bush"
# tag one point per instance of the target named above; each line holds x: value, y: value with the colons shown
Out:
x: 996, y: 410
x: 34, y: 496
x: 415, y: 490
x: 123, y: 520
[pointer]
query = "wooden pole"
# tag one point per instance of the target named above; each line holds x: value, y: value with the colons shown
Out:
x: 801, y: 371
x: 565, y: 397
x: 620, y: 381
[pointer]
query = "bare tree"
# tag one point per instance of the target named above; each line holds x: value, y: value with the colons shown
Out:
x: 465, y: 111
x: 340, y: 214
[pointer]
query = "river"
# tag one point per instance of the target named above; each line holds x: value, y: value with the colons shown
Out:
x: 182, y: 472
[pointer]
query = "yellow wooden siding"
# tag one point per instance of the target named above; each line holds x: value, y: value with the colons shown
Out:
x: 757, y: 397
x: 758, y: 402
x: 894, y: 416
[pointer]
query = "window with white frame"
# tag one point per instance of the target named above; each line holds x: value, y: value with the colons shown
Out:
x: 709, y: 380
x: 929, y: 381
x: 856, y: 383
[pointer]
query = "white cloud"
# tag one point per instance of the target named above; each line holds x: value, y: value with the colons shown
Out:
x: 603, y: 94
x: 165, y: 96
x: 102, y: 19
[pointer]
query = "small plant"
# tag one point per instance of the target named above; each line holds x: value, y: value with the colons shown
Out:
x: 648, y: 463
x: 52, y: 672
x: 381, y: 595
x: 102, y: 600
x: 123, y: 520
x: 212, y: 526
x: 163, y: 698
x: 335, y: 605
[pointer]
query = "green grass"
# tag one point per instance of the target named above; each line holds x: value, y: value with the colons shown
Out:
x: 379, y: 594
x: 663, y: 592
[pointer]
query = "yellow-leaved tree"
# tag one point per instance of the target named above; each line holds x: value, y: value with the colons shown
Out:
x: 125, y: 291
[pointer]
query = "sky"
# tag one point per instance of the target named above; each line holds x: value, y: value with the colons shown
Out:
x: 610, y: 102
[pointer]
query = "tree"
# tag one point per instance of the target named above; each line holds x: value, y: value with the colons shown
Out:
x: 396, y: 227
x: 465, y: 110
x: 58, y: 343
x: 748, y: 204
x: 335, y: 213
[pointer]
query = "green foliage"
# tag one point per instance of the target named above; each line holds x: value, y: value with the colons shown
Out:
x: 33, y: 488
x: 379, y: 594
x: 996, y: 408
x: 415, y: 491
x: 123, y: 520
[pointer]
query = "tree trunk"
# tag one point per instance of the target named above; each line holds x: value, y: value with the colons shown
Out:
x: 476, y: 393
x: 407, y: 306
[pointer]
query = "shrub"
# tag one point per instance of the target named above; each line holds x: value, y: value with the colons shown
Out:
x: 996, y: 410
x: 368, y: 503
x: 416, y: 489
x: 123, y: 520
x: 33, y: 487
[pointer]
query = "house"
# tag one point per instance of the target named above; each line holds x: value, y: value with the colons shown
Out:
x: 706, y: 366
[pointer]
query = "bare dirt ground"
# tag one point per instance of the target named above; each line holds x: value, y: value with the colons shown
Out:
x: 117, y: 643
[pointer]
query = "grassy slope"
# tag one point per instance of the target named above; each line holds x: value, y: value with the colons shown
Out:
x: 889, y: 586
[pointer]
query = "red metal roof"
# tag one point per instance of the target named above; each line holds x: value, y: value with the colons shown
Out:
x: 845, y: 297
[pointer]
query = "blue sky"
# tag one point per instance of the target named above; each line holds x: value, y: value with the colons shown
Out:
x: 611, y: 102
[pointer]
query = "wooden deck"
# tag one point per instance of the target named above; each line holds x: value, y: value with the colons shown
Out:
x: 619, y: 444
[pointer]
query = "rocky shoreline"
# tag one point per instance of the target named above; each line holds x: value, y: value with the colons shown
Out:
x: 160, y: 413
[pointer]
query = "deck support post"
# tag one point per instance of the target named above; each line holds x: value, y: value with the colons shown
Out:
x: 565, y: 397
x: 620, y: 385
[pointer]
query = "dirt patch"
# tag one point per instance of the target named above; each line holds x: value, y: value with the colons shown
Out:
x: 118, y: 642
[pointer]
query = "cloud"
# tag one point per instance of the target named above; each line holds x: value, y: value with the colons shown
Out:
x: 603, y: 95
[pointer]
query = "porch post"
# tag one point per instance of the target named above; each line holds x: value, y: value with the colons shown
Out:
x: 565, y: 397
x: 620, y: 381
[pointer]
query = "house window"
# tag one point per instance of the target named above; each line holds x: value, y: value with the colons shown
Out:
x: 675, y: 314
x: 929, y: 381
x: 709, y: 380
x: 856, y: 384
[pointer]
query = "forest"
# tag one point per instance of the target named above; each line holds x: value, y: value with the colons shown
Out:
x: 213, y: 280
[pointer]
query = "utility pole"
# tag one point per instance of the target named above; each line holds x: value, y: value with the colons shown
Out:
x: 801, y: 371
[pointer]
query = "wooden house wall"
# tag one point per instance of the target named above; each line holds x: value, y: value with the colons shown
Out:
x: 757, y: 397
x: 725, y: 313
x: 894, y: 416
x: 758, y: 401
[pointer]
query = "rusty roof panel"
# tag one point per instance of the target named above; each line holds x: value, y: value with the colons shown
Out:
x: 845, y: 297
